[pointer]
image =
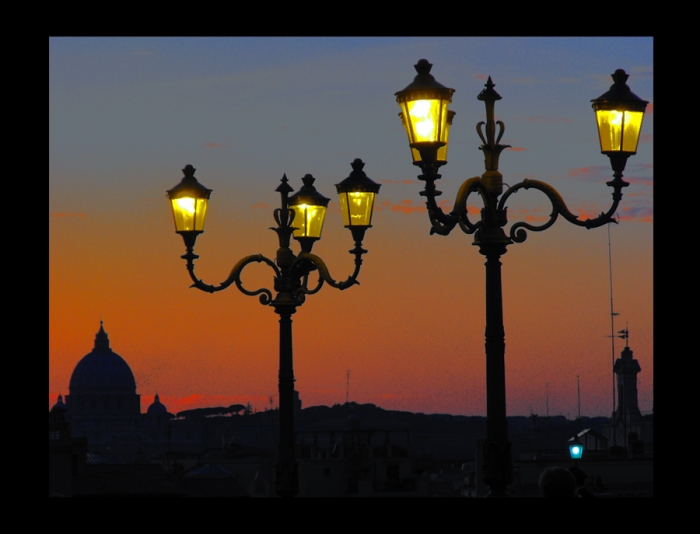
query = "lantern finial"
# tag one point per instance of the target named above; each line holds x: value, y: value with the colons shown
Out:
x: 620, y: 76
x: 188, y: 171
x: 357, y: 165
x: 423, y: 67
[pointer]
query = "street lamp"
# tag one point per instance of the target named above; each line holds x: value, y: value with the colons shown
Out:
x: 424, y: 113
x: 575, y: 448
x: 301, y: 216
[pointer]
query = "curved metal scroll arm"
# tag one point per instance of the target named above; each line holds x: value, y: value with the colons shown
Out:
x: 324, y: 274
x: 459, y: 211
x: 235, y: 277
x: 517, y: 232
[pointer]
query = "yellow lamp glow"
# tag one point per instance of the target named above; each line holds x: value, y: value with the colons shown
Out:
x: 308, y: 220
x: 189, y: 213
x: 309, y: 210
x: 189, y: 200
x: 619, y: 130
x: 442, y: 151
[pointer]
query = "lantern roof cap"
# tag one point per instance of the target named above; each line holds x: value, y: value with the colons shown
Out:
x: 620, y: 94
x: 358, y: 181
x: 308, y: 194
x: 189, y: 186
x: 424, y: 80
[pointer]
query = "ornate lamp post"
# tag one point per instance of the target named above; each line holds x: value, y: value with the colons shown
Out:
x: 424, y: 113
x: 301, y: 216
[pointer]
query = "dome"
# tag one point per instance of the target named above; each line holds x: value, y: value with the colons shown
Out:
x: 157, y: 408
x: 102, y: 370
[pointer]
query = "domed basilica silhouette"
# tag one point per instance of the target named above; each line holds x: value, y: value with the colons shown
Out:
x: 103, y: 406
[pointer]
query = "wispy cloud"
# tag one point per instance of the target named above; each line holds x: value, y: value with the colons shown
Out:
x: 406, y: 206
x: 261, y: 205
x: 646, y: 138
x: 650, y: 109
x: 61, y: 215
x: 517, y: 148
x: 639, y: 181
x: 637, y: 213
x: 536, y: 218
x: 591, y: 173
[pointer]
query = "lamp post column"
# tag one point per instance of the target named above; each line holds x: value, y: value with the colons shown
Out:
x: 287, y: 478
x: 498, y: 467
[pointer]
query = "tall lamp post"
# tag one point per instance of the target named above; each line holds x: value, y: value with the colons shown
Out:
x: 425, y: 115
x: 301, y: 215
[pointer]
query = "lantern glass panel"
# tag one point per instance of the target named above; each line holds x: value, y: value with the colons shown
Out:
x: 189, y: 213
x: 619, y: 130
x: 308, y: 220
x: 357, y: 208
x: 442, y: 151
x: 426, y: 120
x: 576, y: 451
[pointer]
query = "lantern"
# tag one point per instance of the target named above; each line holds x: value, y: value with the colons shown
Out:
x: 424, y: 113
x: 357, y: 193
x: 189, y: 200
x: 619, y: 113
x: 309, y: 211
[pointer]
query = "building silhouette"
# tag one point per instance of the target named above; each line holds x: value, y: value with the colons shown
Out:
x: 630, y: 431
x: 103, y: 406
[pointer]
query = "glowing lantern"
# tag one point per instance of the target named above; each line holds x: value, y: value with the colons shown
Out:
x: 575, y: 449
x: 309, y: 211
x: 424, y: 113
x: 189, y: 201
x: 357, y: 193
x: 619, y: 114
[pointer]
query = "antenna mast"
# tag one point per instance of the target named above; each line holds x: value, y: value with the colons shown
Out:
x: 578, y: 387
x: 612, y: 331
x: 347, y: 387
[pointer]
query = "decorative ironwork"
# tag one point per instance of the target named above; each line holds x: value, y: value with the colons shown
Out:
x: 291, y: 286
x: 492, y: 240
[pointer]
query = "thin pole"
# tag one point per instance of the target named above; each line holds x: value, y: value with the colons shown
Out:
x: 612, y: 335
x: 578, y: 387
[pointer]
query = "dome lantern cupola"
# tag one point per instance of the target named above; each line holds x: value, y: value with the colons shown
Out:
x: 101, y: 339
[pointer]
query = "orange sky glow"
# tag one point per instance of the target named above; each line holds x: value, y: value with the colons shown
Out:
x: 412, y: 332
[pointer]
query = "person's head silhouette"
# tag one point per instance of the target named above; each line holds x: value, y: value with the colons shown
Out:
x: 557, y: 482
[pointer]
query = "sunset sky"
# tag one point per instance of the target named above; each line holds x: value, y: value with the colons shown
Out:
x: 127, y: 114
